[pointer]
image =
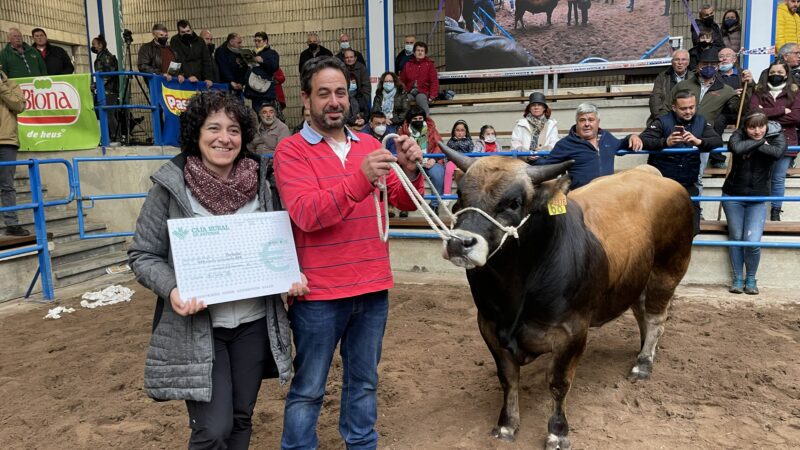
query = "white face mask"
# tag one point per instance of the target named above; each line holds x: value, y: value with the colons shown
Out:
x: 344, y: 45
x: 409, y: 48
x: 490, y: 138
x: 380, y: 129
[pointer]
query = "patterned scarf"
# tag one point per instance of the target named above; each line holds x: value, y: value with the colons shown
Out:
x: 537, y: 125
x: 461, y: 145
x: 387, y: 106
x: 222, y: 196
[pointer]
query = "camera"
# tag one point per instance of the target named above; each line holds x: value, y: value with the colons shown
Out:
x: 676, y: 42
x: 127, y: 36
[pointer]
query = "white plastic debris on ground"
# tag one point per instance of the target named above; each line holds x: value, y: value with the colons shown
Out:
x: 108, y: 296
x: 56, y: 312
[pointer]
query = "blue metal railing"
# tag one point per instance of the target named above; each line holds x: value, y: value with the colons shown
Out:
x: 76, y: 186
x: 650, y: 52
x: 37, y: 205
x: 154, y: 86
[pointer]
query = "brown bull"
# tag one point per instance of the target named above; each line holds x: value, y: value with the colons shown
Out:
x: 623, y: 242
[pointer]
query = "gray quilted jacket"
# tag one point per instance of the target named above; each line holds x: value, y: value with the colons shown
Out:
x: 181, y: 352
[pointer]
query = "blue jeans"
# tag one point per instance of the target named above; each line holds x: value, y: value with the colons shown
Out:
x: 779, y: 178
x: 436, y: 174
x: 745, y: 223
x: 318, y: 326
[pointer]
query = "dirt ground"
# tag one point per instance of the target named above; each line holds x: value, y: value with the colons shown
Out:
x: 612, y: 32
x: 726, y: 377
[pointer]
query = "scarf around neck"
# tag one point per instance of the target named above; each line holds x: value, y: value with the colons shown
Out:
x: 387, y: 106
x: 222, y: 196
x: 420, y: 136
x: 537, y: 125
x: 461, y: 145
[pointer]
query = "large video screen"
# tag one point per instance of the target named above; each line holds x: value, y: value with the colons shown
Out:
x: 552, y: 33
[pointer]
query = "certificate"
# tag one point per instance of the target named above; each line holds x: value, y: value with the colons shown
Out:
x: 224, y: 258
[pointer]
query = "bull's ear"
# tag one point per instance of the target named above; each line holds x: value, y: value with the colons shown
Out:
x: 540, y: 174
x: 461, y: 161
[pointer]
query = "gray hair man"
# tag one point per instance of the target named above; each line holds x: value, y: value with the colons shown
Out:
x: 592, y: 148
x: 666, y: 80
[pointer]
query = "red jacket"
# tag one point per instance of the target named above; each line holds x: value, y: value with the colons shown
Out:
x: 423, y: 72
x: 775, y: 108
x: 333, y: 214
x: 279, y: 78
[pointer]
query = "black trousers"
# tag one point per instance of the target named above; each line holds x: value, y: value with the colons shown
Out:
x: 239, y: 358
x: 693, y: 191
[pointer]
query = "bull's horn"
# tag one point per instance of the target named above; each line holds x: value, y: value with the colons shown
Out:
x: 540, y: 174
x: 461, y: 161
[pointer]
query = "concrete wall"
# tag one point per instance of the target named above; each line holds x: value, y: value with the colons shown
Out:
x: 17, y: 275
x: 64, y: 22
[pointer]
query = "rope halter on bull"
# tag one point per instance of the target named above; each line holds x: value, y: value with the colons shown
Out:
x: 427, y: 212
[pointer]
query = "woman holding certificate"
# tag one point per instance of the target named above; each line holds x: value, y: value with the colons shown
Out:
x: 212, y: 357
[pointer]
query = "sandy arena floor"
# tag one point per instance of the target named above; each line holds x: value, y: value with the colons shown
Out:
x: 726, y: 377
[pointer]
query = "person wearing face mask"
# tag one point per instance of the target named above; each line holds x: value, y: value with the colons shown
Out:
x: 314, y: 50
x: 705, y: 19
x: 777, y: 95
x: 155, y: 56
x: 731, y: 30
x: 344, y: 44
x: 705, y: 43
x: 192, y: 52
x: 487, y: 141
x: 715, y: 99
x: 787, y: 23
x: 359, y: 87
x: 390, y: 99
x: 104, y: 61
x: 536, y: 130
x: 405, y: 54
x: 263, y: 67
x: 423, y: 130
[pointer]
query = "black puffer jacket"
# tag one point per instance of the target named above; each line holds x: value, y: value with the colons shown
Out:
x: 752, y: 160
x: 194, y: 57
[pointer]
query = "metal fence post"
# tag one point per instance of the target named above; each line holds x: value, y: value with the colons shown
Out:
x: 155, y: 94
x: 40, y: 222
x: 100, y: 88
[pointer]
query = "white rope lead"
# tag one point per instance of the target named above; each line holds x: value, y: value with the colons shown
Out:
x: 427, y: 212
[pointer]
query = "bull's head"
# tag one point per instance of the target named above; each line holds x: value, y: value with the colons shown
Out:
x: 505, y: 188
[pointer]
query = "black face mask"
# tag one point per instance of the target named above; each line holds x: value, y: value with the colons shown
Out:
x: 705, y: 45
x: 210, y: 48
x: 162, y: 41
x: 313, y: 47
x: 95, y: 51
x: 776, y: 80
x: 709, y: 20
x: 186, y: 38
x: 417, y: 124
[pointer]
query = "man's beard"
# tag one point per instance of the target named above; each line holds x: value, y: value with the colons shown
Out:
x: 323, y: 122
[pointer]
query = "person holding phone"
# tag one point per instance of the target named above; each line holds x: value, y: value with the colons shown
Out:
x: 215, y: 356
x: 681, y: 128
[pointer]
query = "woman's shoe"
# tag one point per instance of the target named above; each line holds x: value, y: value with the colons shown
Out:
x: 737, y: 287
x: 750, y: 286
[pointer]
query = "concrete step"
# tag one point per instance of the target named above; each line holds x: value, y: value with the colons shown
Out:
x: 68, y: 232
x: 54, y: 215
x: 83, y: 249
x: 87, y: 269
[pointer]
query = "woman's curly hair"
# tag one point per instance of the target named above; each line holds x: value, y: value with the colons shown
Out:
x: 206, y: 103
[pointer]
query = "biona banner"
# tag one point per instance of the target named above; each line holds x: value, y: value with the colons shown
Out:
x: 58, y: 114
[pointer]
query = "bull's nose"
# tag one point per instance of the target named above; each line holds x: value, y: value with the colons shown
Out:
x: 459, y: 245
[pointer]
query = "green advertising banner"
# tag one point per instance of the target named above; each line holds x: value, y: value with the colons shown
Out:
x: 58, y: 114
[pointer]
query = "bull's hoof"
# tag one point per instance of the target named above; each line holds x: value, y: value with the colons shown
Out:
x: 507, y: 434
x: 641, y: 371
x: 554, y: 442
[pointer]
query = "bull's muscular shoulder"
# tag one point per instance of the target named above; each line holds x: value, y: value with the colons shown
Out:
x: 634, y: 214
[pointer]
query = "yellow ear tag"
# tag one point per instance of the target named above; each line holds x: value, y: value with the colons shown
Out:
x: 558, y: 204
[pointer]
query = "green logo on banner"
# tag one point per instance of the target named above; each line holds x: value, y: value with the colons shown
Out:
x: 58, y: 114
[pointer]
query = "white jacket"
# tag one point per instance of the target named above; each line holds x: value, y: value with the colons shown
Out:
x: 521, y: 135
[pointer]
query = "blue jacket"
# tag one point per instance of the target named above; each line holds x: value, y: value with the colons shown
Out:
x: 681, y: 167
x: 230, y: 65
x: 589, y: 162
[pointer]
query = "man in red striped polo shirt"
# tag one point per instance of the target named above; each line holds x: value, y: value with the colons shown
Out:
x: 326, y: 175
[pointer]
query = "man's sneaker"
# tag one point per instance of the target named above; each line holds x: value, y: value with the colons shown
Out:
x: 16, y: 230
